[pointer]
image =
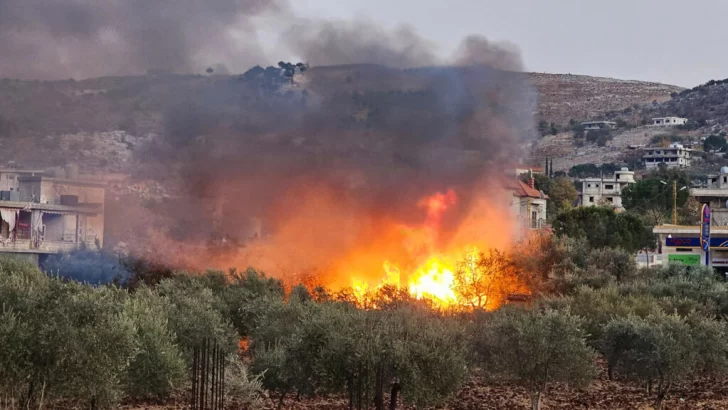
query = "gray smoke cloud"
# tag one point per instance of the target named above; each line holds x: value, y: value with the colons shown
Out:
x: 332, y: 153
x: 356, y: 42
x: 55, y: 39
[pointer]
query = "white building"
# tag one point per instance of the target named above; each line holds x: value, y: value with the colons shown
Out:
x: 605, y: 191
x: 668, y: 121
x: 715, y: 194
x: 598, y: 125
x: 674, y: 156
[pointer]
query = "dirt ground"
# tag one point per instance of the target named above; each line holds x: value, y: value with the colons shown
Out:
x: 477, y: 394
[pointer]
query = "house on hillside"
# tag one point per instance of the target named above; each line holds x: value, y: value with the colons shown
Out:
x: 599, y: 125
x: 527, y: 204
x: 605, y: 191
x: 42, y: 215
x: 668, y: 121
x: 674, y: 156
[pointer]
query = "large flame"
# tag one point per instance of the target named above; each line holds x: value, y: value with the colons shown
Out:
x: 321, y: 237
x: 434, y: 278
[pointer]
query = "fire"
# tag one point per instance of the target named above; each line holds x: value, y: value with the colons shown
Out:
x: 434, y: 279
x: 430, y: 253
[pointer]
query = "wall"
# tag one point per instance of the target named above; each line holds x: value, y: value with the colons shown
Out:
x: 51, y: 191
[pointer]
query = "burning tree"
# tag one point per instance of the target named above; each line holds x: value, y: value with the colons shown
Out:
x: 483, y: 279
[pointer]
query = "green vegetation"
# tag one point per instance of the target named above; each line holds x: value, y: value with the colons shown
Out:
x: 715, y: 143
x: 602, y: 227
x: 560, y: 190
x: 94, y: 346
x: 652, y: 197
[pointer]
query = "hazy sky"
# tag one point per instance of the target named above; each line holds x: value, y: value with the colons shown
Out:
x: 670, y: 41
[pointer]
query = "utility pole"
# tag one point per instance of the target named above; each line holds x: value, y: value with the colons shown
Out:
x: 674, y: 202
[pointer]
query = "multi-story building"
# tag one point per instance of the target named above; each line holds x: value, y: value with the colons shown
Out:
x: 716, y: 195
x: 605, y: 191
x: 668, y: 121
x: 674, y: 156
x: 42, y: 215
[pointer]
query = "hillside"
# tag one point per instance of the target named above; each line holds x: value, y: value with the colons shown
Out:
x: 565, y: 96
x: 138, y: 104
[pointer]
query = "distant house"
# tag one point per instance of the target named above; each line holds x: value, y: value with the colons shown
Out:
x: 668, y: 121
x: 598, y: 125
x: 675, y: 156
x: 608, y: 191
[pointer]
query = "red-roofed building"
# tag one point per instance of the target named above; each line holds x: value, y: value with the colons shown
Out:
x: 527, y: 203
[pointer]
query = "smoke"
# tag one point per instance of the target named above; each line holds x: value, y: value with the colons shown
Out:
x: 358, y: 42
x: 327, y: 168
x: 53, y: 39
x: 478, y: 50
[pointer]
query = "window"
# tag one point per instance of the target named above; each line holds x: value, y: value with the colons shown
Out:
x: 10, y: 177
x: 608, y: 186
x: 597, y: 185
x: 591, y: 199
x: 617, y: 178
x: 588, y: 185
x: 610, y: 199
x: 534, y: 219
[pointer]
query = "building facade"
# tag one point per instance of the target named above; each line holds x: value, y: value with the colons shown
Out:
x: 527, y: 204
x: 674, y: 156
x: 681, y: 244
x: 716, y: 195
x: 668, y: 121
x: 45, y: 215
x: 605, y: 191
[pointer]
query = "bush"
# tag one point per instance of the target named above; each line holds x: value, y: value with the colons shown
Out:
x: 615, y: 262
x: 158, y: 367
x: 535, y: 349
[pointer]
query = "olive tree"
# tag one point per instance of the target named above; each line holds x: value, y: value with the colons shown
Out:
x: 535, y: 349
x: 661, y: 350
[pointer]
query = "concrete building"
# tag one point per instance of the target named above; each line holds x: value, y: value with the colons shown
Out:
x: 605, y: 191
x: 43, y: 215
x: 527, y: 204
x: 668, y: 121
x: 674, y: 156
x: 598, y: 125
x: 681, y: 244
x: 715, y: 194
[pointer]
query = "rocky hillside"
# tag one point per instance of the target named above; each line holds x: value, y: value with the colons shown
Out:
x: 138, y: 104
x: 564, y: 96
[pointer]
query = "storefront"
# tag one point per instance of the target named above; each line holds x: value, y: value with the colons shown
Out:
x: 681, y: 244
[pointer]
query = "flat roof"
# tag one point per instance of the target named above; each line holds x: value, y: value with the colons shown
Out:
x: 688, y: 229
x: 90, y: 209
x: 85, y: 182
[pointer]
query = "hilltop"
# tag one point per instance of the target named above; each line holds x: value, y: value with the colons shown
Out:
x: 138, y: 104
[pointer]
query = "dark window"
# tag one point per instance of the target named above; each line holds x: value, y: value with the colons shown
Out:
x: 591, y: 199
x: 608, y: 186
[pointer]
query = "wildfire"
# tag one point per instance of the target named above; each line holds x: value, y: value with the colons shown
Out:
x: 433, y: 279
x: 432, y: 256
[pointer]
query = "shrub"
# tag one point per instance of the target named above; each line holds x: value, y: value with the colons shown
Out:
x: 615, y: 262
x: 535, y: 349
x: 157, y: 368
